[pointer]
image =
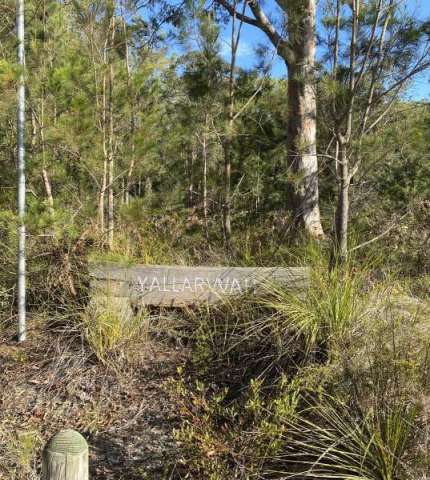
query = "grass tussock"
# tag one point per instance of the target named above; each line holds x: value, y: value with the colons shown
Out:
x: 333, y: 440
x: 329, y: 311
x: 278, y: 329
x: 112, y: 330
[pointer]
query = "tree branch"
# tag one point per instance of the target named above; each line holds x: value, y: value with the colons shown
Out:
x: 232, y: 11
x: 261, y: 21
x: 374, y: 239
x: 267, y: 27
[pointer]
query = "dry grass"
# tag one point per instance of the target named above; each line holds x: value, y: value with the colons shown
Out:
x: 112, y: 330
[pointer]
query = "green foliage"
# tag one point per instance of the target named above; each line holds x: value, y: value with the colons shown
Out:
x: 19, y: 452
x: 281, y: 328
x: 402, y: 176
x: 7, y: 74
x: 329, y: 311
x: 327, y: 383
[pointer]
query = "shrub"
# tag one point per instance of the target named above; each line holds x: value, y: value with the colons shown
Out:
x: 280, y: 329
x: 233, y: 439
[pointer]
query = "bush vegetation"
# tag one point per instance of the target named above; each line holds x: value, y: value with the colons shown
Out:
x: 330, y: 384
x: 138, y: 155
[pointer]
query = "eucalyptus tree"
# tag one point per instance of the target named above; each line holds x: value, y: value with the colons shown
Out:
x: 296, y: 45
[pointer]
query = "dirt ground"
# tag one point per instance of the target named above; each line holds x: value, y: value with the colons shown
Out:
x: 127, y: 416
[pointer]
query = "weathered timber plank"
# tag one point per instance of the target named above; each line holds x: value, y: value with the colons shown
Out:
x: 179, y: 285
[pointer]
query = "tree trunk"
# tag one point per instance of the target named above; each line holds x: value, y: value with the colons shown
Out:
x: 302, y: 115
x: 103, y: 124
x: 205, y: 182
x: 129, y: 175
x: 111, y: 148
x: 191, y: 160
x: 48, y: 189
x: 298, y: 51
x: 123, y: 188
x: 234, y: 42
x: 101, y: 207
x: 110, y: 181
x: 342, y: 211
x: 46, y: 179
x: 103, y: 184
x: 132, y: 115
x: 227, y: 192
x: 148, y: 189
x: 45, y: 176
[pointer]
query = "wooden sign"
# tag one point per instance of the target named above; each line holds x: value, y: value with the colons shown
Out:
x: 179, y: 286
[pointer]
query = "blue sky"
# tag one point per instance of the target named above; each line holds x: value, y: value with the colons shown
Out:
x: 251, y: 37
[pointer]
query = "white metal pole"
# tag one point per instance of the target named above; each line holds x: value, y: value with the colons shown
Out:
x: 21, y: 173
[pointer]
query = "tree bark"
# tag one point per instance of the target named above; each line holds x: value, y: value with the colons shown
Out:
x: 101, y: 206
x: 234, y: 40
x: 132, y: 115
x: 302, y: 115
x: 48, y: 189
x: 227, y: 192
x: 45, y: 175
x: 110, y: 166
x: 298, y: 52
x: 148, y: 188
x: 342, y: 210
x: 340, y: 244
x: 205, y: 182
x: 190, y: 162
x: 103, y: 125
x: 110, y: 141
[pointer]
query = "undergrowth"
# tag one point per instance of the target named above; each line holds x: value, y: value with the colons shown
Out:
x: 331, y: 382
x: 326, y: 383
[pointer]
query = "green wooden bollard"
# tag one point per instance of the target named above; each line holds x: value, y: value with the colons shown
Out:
x: 65, y: 457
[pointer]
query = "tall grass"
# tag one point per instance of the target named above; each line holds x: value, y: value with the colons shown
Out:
x: 280, y: 329
x: 329, y: 311
x: 111, y: 329
x: 334, y: 440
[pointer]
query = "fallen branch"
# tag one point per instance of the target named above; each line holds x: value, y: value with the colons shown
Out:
x: 381, y: 234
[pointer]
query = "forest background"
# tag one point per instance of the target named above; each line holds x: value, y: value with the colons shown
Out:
x: 283, y: 133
